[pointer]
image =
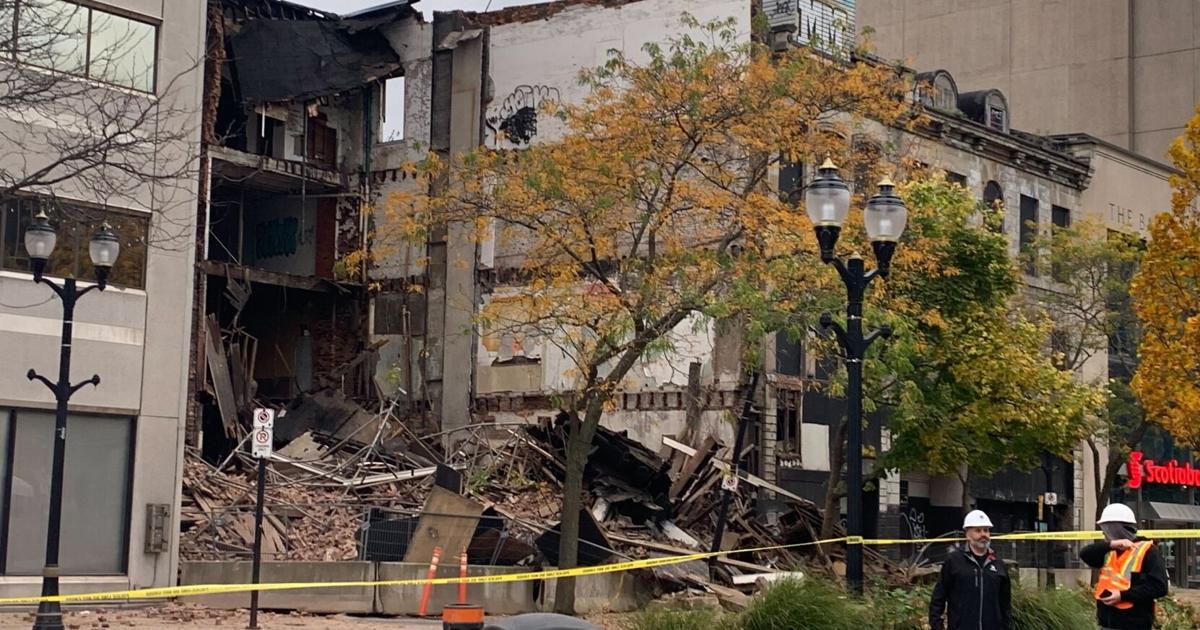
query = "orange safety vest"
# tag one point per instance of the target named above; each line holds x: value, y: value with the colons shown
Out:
x: 1118, y: 570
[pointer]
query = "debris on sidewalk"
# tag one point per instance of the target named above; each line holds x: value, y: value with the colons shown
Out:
x: 350, y: 484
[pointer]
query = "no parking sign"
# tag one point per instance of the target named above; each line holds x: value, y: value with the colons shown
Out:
x: 262, y: 434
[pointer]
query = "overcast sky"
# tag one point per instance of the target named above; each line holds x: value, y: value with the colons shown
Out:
x: 426, y: 6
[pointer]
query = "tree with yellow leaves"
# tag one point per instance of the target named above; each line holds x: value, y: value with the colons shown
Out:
x: 1166, y: 295
x: 656, y: 209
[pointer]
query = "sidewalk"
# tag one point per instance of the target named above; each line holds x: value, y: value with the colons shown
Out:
x: 194, y: 617
x: 197, y: 618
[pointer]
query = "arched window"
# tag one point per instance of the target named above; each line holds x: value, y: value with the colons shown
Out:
x: 993, y: 197
x: 937, y: 90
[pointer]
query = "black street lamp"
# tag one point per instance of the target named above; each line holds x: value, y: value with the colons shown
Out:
x: 104, y: 248
x: 827, y: 201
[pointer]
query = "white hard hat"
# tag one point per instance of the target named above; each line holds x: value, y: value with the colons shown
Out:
x: 976, y: 518
x: 1117, y: 513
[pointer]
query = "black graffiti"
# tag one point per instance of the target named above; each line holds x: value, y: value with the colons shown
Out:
x: 516, y: 117
x: 277, y: 237
x: 521, y: 127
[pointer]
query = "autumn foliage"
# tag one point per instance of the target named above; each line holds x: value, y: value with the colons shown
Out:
x: 1166, y: 296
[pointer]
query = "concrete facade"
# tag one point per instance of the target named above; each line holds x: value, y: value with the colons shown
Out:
x: 136, y: 340
x: 607, y: 592
x: 1125, y: 71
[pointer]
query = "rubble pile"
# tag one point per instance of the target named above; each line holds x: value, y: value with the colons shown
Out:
x: 348, y: 484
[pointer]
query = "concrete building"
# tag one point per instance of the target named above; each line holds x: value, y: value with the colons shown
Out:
x: 1125, y: 71
x: 533, y: 54
x: 125, y: 436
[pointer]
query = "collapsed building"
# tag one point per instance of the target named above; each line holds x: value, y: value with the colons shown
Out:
x: 297, y: 156
x: 293, y: 111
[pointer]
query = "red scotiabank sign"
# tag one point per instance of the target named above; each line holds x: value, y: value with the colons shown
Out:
x: 1171, y: 473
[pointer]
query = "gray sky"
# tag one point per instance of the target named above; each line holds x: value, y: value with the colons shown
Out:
x: 426, y: 6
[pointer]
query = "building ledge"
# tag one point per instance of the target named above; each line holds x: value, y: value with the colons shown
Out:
x: 272, y: 174
x: 274, y: 278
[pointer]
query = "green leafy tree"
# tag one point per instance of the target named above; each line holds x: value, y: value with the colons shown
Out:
x: 968, y: 382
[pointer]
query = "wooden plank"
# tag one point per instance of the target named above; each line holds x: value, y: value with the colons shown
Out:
x: 753, y: 578
x: 759, y: 482
x: 693, y: 464
x: 679, y: 446
x: 447, y: 521
x: 218, y: 367
x: 237, y: 376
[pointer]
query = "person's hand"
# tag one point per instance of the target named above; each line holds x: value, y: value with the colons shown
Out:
x: 1120, y: 545
x: 1112, y: 599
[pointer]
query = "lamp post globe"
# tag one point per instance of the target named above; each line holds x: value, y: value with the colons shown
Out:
x: 885, y: 218
x: 40, y: 239
x: 104, y: 249
x: 827, y: 201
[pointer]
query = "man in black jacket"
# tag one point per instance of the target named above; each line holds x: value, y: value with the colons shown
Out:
x: 1129, y: 583
x: 973, y: 590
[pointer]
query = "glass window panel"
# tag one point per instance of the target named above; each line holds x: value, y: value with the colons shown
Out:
x: 122, y: 51
x: 30, y: 492
x: 95, y: 494
x: 75, y: 226
x: 7, y: 32
x: 130, y: 270
x: 53, y: 34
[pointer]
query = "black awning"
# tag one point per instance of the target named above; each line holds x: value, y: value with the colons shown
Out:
x: 1175, y: 512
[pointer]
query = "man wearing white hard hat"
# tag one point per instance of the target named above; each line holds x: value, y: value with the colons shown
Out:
x: 973, y: 590
x: 1132, y: 573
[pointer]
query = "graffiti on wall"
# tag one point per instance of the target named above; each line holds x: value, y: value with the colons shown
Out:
x: 515, y: 118
x: 277, y: 237
x: 916, y: 523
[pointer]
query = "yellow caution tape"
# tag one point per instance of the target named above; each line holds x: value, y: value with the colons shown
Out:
x: 170, y: 592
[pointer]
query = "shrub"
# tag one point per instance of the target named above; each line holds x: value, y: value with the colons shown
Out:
x: 676, y: 617
x: 1173, y: 615
x: 898, y: 608
x: 1056, y: 609
x: 807, y: 604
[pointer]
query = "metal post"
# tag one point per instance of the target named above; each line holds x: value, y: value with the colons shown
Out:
x: 855, y: 287
x: 49, y: 614
x: 258, y: 519
x: 738, y: 445
x: 856, y: 279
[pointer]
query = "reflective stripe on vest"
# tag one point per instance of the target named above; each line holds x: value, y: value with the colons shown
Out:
x: 1118, y: 570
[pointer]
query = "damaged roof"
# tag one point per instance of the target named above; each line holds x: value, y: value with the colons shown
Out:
x: 284, y: 52
x: 535, y: 12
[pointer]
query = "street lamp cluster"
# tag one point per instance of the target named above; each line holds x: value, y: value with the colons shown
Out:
x: 827, y: 200
x: 40, y: 239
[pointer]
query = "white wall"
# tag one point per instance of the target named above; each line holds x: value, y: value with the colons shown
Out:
x: 124, y: 332
x: 538, y: 61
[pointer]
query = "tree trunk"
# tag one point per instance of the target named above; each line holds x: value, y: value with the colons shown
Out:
x: 579, y: 442
x: 834, y: 489
x: 965, y: 478
x: 1099, y: 480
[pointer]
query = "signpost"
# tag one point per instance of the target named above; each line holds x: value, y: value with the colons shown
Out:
x: 260, y: 446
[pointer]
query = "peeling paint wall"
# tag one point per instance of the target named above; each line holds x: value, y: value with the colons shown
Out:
x: 538, y: 61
